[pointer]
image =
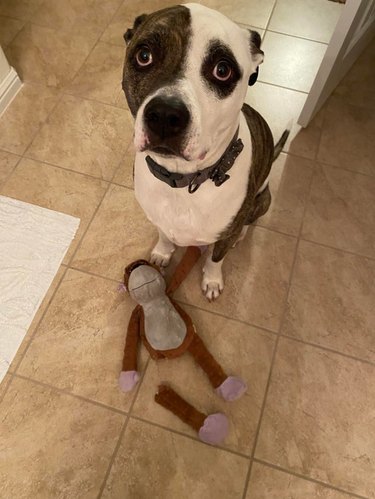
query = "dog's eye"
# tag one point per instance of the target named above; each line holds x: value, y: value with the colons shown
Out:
x: 144, y: 57
x: 222, y: 71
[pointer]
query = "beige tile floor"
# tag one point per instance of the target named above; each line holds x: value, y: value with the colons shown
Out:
x: 296, y: 320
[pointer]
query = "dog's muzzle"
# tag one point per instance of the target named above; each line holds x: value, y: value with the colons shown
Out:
x: 166, y: 120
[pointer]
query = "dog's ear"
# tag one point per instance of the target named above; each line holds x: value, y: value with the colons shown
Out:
x: 128, y: 35
x: 256, y: 53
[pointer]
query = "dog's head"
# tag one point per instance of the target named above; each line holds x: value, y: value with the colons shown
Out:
x: 186, y: 72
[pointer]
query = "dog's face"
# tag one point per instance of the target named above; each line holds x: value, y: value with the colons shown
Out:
x: 185, y: 78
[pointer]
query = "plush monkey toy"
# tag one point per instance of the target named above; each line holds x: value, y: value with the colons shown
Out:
x: 168, y: 332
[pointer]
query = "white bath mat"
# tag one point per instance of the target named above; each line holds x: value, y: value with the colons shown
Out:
x: 33, y: 243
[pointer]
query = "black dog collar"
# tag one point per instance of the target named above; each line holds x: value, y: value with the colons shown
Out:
x: 217, y: 172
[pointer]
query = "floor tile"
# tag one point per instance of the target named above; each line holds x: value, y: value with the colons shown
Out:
x: 268, y: 483
x: 319, y: 418
x: 256, y: 275
x: 80, y: 342
x: 347, y: 137
x: 281, y: 107
x: 101, y: 75
x: 357, y: 87
x: 43, y: 307
x: 22, y: 119
x: 19, y: 9
x: 341, y: 211
x: 319, y: 18
x: 59, y: 442
x: 59, y: 190
x: 289, y: 185
x: 45, y: 55
x: 9, y: 27
x: 76, y: 15
x: 4, y: 385
x: 250, y: 12
x: 124, y: 175
x: 119, y: 234
x: 152, y: 462
x: 331, y: 301
x: 290, y: 62
x: 8, y: 162
x: 85, y: 136
x: 242, y: 351
x: 126, y: 15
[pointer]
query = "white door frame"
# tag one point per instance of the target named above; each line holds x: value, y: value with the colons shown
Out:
x: 353, y: 32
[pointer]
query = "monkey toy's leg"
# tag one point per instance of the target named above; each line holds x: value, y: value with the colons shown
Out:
x: 229, y: 387
x: 211, y: 429
x: 129, y: 375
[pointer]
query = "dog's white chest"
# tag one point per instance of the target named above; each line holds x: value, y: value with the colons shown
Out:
x: 193, y: 219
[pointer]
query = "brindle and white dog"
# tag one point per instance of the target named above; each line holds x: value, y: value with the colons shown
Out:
x: 203, y: 156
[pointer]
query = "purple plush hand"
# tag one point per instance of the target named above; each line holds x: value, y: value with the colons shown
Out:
x: 215, y: 428
x: 232, y: 388
x: 128, y: 380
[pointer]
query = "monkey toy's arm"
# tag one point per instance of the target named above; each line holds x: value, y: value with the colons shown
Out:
x: 129, y: 376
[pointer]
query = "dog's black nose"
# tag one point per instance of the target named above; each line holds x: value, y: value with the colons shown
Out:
x: 166, y: 116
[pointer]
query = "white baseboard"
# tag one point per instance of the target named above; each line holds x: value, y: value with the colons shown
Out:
x: 9, y: 88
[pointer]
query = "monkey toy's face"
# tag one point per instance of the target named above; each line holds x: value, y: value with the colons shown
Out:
x: 145, y: 284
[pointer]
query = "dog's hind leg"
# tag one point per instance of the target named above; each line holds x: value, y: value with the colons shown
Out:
x: 163, y: 251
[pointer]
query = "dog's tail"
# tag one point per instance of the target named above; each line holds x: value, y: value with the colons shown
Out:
x: 281, y: 143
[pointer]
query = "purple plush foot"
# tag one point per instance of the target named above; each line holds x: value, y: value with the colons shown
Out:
x: 232, y: 388
x: 128, y: 380
x: 215, y: 429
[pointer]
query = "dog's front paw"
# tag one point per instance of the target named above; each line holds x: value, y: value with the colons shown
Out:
x: 160, y: 260
x: 212, y: 288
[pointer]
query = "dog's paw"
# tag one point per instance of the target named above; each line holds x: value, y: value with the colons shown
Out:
x: 212, y: 289
x: 160, y: 260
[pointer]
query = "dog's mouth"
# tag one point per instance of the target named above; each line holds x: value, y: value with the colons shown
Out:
x: 166, y: 151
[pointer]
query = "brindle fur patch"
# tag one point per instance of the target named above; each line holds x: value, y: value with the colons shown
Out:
x: 261, y: 162
x: 167, y: 33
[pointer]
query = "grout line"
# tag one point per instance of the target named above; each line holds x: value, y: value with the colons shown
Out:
x: 122, y: 185
x: 257, y: 432
x: 70, y: 170
x: 309, y: 479
x: 284, y: 87
x: 348, y: 252
x: 122, y: 432
x: 282, y: 233
x: 77, y: 269
x: 58, y: 100
x: 239, y: 321
x: 191, y: 437
x: 299, y: 37
x: 327, y: 349
x: 331, y: 165
x: 90, y: 99
x: 71, y: 394
x: 270, y: 16
x: 11, y: 172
